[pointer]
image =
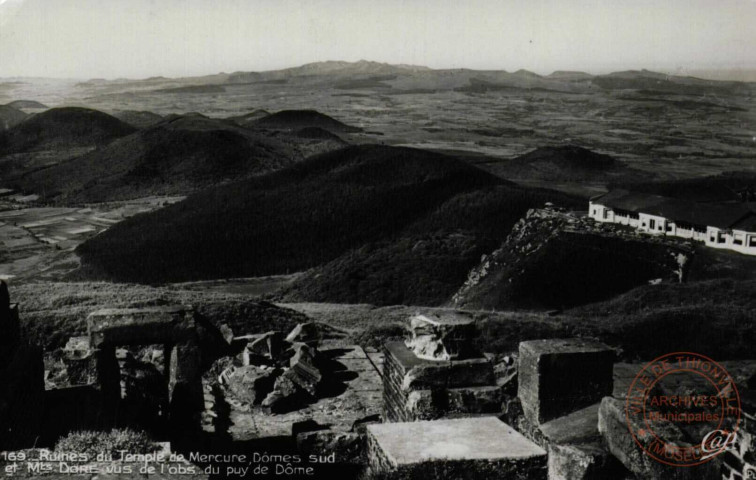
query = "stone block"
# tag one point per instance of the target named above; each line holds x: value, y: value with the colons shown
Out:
x: 286, y: 393
x: 251, y: 384
x: 302, y: 363
x: 480, y: 448
x: 560, y: 376
x: 82, y: 370
x: 268, y: 345
x: 185, y: 390
x: 309, y: 333
x: 77, y: 346
x: 433, y: 404
x: 452, y: 374
x: 588, y: 461
x: 419, y: 373
x: 141, y: 326
x: 404, y: 373
x: 577, y: 427
x: 441, y: 336
x: 613, y: 426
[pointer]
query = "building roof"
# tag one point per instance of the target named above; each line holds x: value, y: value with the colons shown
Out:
x: 747, y: 224
x: 721, y: 216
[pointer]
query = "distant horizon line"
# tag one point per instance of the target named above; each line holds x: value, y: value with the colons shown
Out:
x: 749, y: 71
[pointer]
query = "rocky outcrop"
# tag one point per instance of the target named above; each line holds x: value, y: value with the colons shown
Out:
x: 555, y: 259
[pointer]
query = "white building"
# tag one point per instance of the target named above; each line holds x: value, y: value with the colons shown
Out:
x: 727, y: 226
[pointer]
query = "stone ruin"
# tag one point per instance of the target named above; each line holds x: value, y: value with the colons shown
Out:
x: 437, y: 373
x: 22, y: 387
x: 564, y: 419
x: 92, y: 394
x: 449, y: 411
x: 278, y: 372
x: 741, y: 462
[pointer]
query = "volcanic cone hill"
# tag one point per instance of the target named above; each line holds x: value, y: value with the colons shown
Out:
x: 662, y: 82
x: 248, y: 119
x: 30, y: 104
x: 294, y: 219
x: 10, y: 117
x: 431, y: 258
x: 176, y: 156
x: 138, y: 119
x: 565, y: 163
x: 298, y: 119
x: 67, y: 127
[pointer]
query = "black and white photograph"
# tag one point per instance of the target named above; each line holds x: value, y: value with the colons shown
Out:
x: 378, y: 240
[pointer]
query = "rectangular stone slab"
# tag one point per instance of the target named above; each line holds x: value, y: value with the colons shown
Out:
x: 560, y: 376
x: 484, y: 447
x: 141, y: 326
x: 420, y: 373
x: 576, y: 427
x: 613, y: 426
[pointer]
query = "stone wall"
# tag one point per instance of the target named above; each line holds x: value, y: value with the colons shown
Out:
x: 418, y: 389
x: 22, y: 384
x: 70, y: 409
x: 22, y: 392
x: 740, y: 462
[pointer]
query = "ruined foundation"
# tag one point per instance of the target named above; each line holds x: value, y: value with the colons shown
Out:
x: 458, y: 381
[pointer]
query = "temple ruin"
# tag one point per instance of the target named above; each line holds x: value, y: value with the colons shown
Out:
x: 430, y: 405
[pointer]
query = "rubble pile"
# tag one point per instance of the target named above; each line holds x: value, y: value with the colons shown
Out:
x: 274, y: 371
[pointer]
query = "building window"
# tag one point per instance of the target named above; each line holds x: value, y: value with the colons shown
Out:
x: 752, y: 242
x: 595, y: 212
x: 606, y: 214
x: 652, y: 224
x: 737, y: 241
x: 669, y: 227
x: 721, y: 238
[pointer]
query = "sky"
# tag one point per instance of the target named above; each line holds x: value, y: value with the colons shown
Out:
x: 174, y: 38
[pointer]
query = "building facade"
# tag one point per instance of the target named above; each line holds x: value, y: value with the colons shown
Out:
x: 723, y: 226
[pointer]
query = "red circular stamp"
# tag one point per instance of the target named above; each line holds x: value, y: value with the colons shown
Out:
x: 683, y: 409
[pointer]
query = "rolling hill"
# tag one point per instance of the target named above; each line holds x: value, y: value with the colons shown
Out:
x: 30, y: 104
x: 65, y: 127
x: 726, y: 187
x: 249, y: 119
x: 648, y: 80
x: 10, y: 117
x: 327, y: 68
x: 431, y: 258
x: 299, y: 119
x: 294, y: 219
x: 138, y: 119
x: 567, y: 163
x: 175, y: 156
